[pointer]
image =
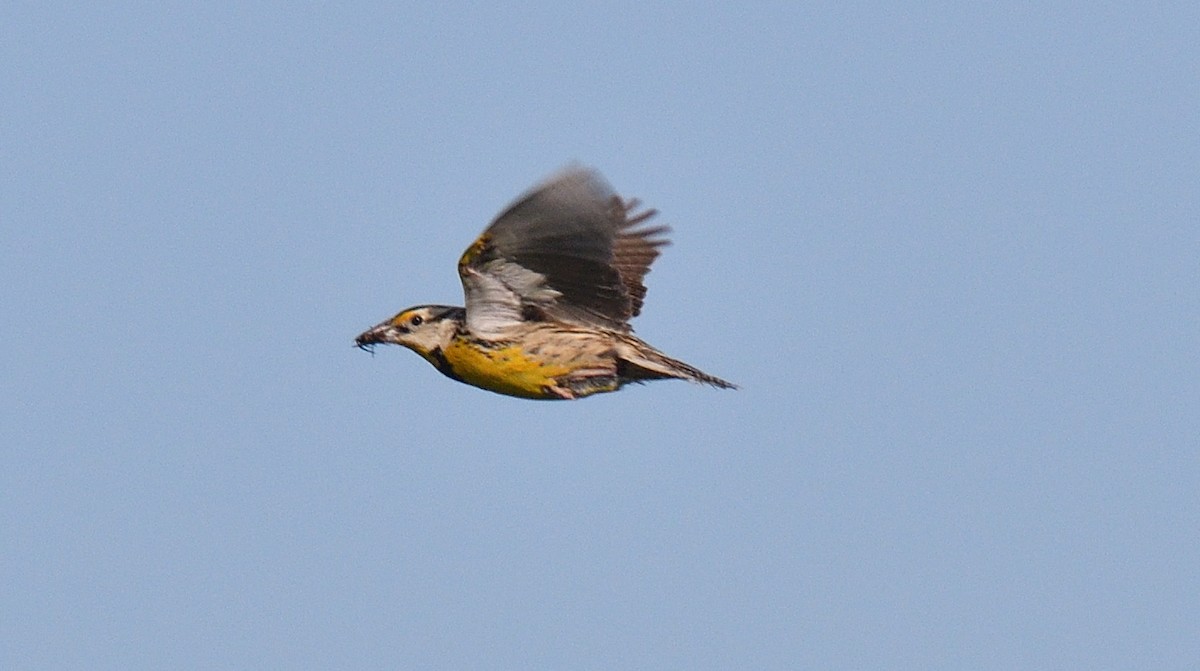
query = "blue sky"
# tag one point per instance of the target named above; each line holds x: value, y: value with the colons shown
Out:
x: 949, y: 252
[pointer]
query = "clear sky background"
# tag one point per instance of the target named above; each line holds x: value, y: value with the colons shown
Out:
x: 951, y: 254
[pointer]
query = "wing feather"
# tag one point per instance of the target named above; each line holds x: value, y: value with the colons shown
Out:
x: 569, y: 250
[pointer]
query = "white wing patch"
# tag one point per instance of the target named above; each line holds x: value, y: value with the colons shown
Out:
x: 496, y: 293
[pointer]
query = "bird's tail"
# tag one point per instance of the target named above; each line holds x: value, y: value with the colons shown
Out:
x: 638, y: 362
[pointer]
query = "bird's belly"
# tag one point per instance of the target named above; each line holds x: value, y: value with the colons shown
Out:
x: 506, y: 370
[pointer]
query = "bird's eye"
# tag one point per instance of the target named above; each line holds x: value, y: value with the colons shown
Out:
x: 415, y: 320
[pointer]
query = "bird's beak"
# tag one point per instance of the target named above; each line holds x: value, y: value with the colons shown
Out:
x: 374, y: 336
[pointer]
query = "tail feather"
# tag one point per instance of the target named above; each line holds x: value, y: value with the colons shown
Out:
x: 640, y: 363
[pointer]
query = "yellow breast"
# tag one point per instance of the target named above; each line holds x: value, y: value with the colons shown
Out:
x: 506, y: 370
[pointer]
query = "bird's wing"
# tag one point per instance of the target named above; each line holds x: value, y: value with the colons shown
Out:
x: 569, y: 250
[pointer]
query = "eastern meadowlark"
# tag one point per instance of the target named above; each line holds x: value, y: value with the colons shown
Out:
x: 550, y: 287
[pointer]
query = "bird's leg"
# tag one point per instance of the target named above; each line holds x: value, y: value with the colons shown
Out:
x: 561, y: 392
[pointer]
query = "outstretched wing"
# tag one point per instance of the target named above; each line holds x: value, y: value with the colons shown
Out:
x: 569, y: 250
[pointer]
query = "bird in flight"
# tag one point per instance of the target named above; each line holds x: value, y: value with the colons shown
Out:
x: 550, y: 288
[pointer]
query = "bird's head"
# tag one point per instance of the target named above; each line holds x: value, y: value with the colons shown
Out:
x: 422, y: 329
